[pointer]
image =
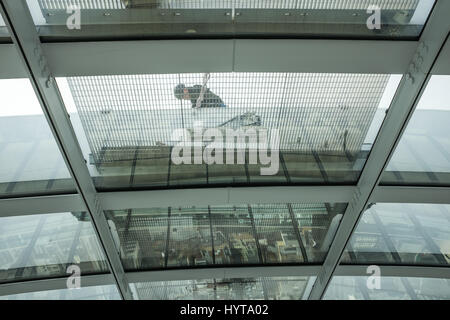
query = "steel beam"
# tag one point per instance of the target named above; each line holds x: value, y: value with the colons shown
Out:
x: 400, y: 194
x: 24, y: 35
x: 180, y: 197
x: 222, y: 273
x: 53, y: 284
x: 401, y: 109
x: 174, y: 56
x: 41, y: 205
x: 395, y: 271
x: 231, y: 195
x: 179, y: 56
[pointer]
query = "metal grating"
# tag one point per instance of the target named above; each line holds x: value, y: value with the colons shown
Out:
x: 328, y: 113
x: 157, y: 238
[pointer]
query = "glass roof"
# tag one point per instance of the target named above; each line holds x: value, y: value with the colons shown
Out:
x: 393, y: 288
x: 3, y: 30
x: 326, y: 124
x: 273, y: 288
x: 45, y: 245
x: 105, y: 19
x: 30, y: 161
x: 106, y: 292
x: 423, y: 154
x: 159, y: 238
x: 224, y: 175
x: 402, y: 234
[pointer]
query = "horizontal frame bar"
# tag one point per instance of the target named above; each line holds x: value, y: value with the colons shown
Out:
x: 222, y: 273
x: 53, y: 284
x: 183, y: 56
x: 395, y: 271
x: 210, y: 196
x: 41, y: 205
x: 207, y: 196
x: 398, y: 194
x: 179, y: 56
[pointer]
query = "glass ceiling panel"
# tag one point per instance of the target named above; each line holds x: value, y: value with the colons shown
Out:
x: 159, y: 238
x: 391, y: 288
x: 44, y: 245
x: 273, y: 288
x: 103, y: 19
x: 30, y: 161
x: 407, y: 234
x: 128, y: 127
x: 105, y: 292
x: 3, y: 29
x: 422, y: 156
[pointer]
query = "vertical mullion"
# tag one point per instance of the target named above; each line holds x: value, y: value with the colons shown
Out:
x: 166, y: 253
x: 297, y: 232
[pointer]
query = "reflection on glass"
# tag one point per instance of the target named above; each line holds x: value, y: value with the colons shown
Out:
x: 127, y: 127
x: 30, y: 161
x: 402, y: 234
x: 44, y: 245
x: 158, y: 238
x: 274, y: 288
x: 142, y: 235
x: 422, y: 156
x: 279, y: 240
x: 234, y: 236
x: 190, y: 238
x: 391, y: 288
x: 3, y: 30
x: 318, y: 224
x: 105, y: 292
x: 191, y: 18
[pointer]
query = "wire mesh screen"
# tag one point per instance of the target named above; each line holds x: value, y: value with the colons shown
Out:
x: 153, y: 238
x: 234, y: 237
x: 229, y: 4
x: 276, y: 233
x: 312, y: 112
x: 190, y: 237
x: 142, y: 237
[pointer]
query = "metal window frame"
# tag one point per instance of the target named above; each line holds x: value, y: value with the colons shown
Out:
x: 207, y: 196
x: 204, y: 197
x: 24, y: 35
x: 169, y: 56
x: 53, y: 284
x: 402, y: 107
x: 224, y: 273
